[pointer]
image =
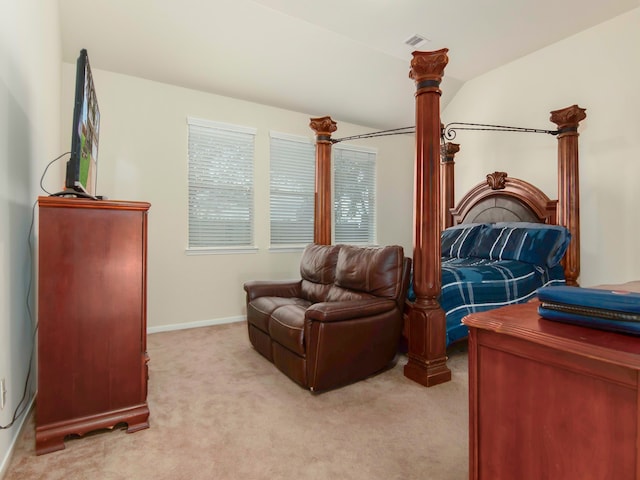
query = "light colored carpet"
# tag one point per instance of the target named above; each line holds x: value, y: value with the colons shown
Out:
x: 221, y: 411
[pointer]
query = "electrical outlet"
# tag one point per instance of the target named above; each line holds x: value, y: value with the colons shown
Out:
x: 3, y: 393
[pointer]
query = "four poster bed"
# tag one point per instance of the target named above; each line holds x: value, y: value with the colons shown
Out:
x: 493, y: 214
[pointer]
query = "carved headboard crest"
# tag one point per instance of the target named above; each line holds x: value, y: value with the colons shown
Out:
x: 497, y: 180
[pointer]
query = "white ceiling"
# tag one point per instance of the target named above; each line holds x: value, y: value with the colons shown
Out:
x: 344, y: 58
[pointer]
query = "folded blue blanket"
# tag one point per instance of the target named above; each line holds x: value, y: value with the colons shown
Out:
x: 614, y: 310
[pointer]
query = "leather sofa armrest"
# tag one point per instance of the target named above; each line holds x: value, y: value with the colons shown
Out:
x: 349, y: 309
x: 272, y: 288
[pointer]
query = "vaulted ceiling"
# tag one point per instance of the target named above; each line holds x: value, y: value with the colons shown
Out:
x: 344, y: 58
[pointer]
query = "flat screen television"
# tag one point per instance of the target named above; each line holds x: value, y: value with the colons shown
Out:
x: 82, y: 166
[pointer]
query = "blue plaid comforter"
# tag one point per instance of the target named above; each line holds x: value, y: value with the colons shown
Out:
x: 477, y: 284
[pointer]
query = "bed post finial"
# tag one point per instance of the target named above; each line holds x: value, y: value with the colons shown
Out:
x: 568, y: 212
x: 324, y: 127
x: 427, y: 354
x: 427, y: 70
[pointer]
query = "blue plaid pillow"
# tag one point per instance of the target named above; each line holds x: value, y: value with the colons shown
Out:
x: 457, y: 241
x: 536, y: 243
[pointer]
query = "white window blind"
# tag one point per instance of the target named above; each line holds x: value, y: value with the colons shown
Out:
x: 221, y: 158
x: 354, y: 195
x: 292, y: 181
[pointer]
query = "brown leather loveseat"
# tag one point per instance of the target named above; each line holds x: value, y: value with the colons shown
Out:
x: 341, y: 322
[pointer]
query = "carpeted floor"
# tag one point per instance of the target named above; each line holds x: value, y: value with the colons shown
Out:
x: 221, y: 411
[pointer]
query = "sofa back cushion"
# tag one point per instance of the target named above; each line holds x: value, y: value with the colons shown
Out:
x: 318, y: 271
x: 365, y: 272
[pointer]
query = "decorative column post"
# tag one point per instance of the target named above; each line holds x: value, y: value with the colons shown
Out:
x: 427, y: 362
x: 447, y: 170
x: 568, y: 210
x: 323, y: 126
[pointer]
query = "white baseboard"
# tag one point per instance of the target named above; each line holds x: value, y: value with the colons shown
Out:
x: 4, y: 466
x: 200, y: 323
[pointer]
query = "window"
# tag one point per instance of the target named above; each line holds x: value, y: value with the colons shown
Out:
x: 354, y: 195
x: 292, y: 187
x: 292, y: 181
x: 220, y: 185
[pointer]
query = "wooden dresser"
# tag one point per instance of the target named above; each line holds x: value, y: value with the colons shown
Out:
x: 92, y: 360
x: 550, y: 400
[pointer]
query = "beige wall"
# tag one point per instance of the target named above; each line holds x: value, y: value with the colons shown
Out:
x: 30, y: 64
x: 598, y: 69
x: 143, y: 156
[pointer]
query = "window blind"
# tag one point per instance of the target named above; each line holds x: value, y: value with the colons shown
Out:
x: 221, y: 158
x: 354, y: 195
x: 292, y: 186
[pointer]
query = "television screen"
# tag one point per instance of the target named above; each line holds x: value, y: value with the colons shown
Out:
x: 83, y: 163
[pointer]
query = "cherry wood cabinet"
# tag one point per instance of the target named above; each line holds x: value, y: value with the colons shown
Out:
x: 550, y: 400
x: 92, y: 360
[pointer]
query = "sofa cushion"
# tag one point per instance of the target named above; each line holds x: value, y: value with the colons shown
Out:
x: 260, y: 309
x: 339, y: 294
x: 371, y: 270
x: 286, y: 327
x: 318, y: 271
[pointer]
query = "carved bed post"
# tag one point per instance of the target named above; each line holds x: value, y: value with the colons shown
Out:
x: 567, y: 120
x: 447, y: 170
x: 427, y: 363
x: 323, y: 126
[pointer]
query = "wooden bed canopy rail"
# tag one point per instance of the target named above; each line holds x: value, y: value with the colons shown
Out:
x: 434, y: 208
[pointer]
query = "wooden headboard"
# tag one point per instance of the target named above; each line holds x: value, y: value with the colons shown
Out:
x: 504, y: 199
